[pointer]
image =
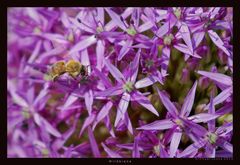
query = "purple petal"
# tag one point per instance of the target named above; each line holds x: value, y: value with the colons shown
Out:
x: 83, y: 44
x: 71, y: 99
x: 189, y: 100
x: 34, y: 55
x: 221, y: 97
x: 167, y: 26
x: 197, y: 38
x: 42, y: 94
x: 108, y: 124
x: 46, y: 125
x: 85, y: 59
x: 145, y: 82
x: 128, y: 123
x: 183, y: 48
x: 100, y: 14
x: 225, y: 109
x: 218, y: 77
x: 224, y: 129
x: 111, y: 154
x: 89, y: 120
x: 211, y: 123
x: 103, y: 78
x: 112, y: 91
x: 195, y: 128
x: 192, y: 148
x: 100, y: 54
x: 136, y: 152
x: 122, y: 107
x: 103, y: 113
x: 18, y: 99
x: 59, y: 143
x: 203, y: 117
x: 114, y: 71
x: 116, y: 19
x: 135, y: 16
x: 166, y: 57
x: 110, y: 25
x: 223, y: 154
x: 142, y: 100
x: 89, y: 100
x: 218, y: 41
x: 134, y: 66
x: 93, y: 143
x: 125, y: 49
x: 226, y: 145
x: 55, y: 38
x: 158, y: 125
x: 176, y: 138
x: 186, y: 36
x: 145, y: 26
x: 167, y: 103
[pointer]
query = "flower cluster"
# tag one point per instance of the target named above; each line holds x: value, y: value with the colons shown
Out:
x: 120, y: 82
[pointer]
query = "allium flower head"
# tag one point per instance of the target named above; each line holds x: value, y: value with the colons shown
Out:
x: 120, y: 82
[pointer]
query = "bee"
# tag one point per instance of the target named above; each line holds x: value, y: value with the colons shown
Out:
x: 72, y: 67
x: 57, y: 70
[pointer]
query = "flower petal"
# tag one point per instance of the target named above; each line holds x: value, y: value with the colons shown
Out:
x: 186, y: 36
x: 47, y: 126
x: 128, y: 123
x: 114, y: 71
x: 145, y: 26
x: 221, y: 97
x: 89, y: 100
x: 93, y: 143
x: 189, y: 100
x: 136, y: 152
x: 167, y: 103
x: 218, y: 77
x: 103, y: 113
x: 166, y: 57
x: 83, y: 44
x: 100, y: 54
x: 134, y: 67
x: 224, y: 129
x: 224, y: 144
x: 142, y: 100
x: 111, y: 154
x: 203, y: 117
x: 218, y: 41
x: 158, y: 125
x: 197, y: 38
x: 167, y: 26
x: 125, y: 49
x: 192, y: 148
x: 176, y: 138
x: 145, y: 82
x: 116, y: 19
x: 211, y: 123
x: 71, y: 99
x: 183, y: 48
x: 89, y: 120
x: 100, y: 15
x: 225, y: 109
x: 112, y: 91
x: 122, y: 107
